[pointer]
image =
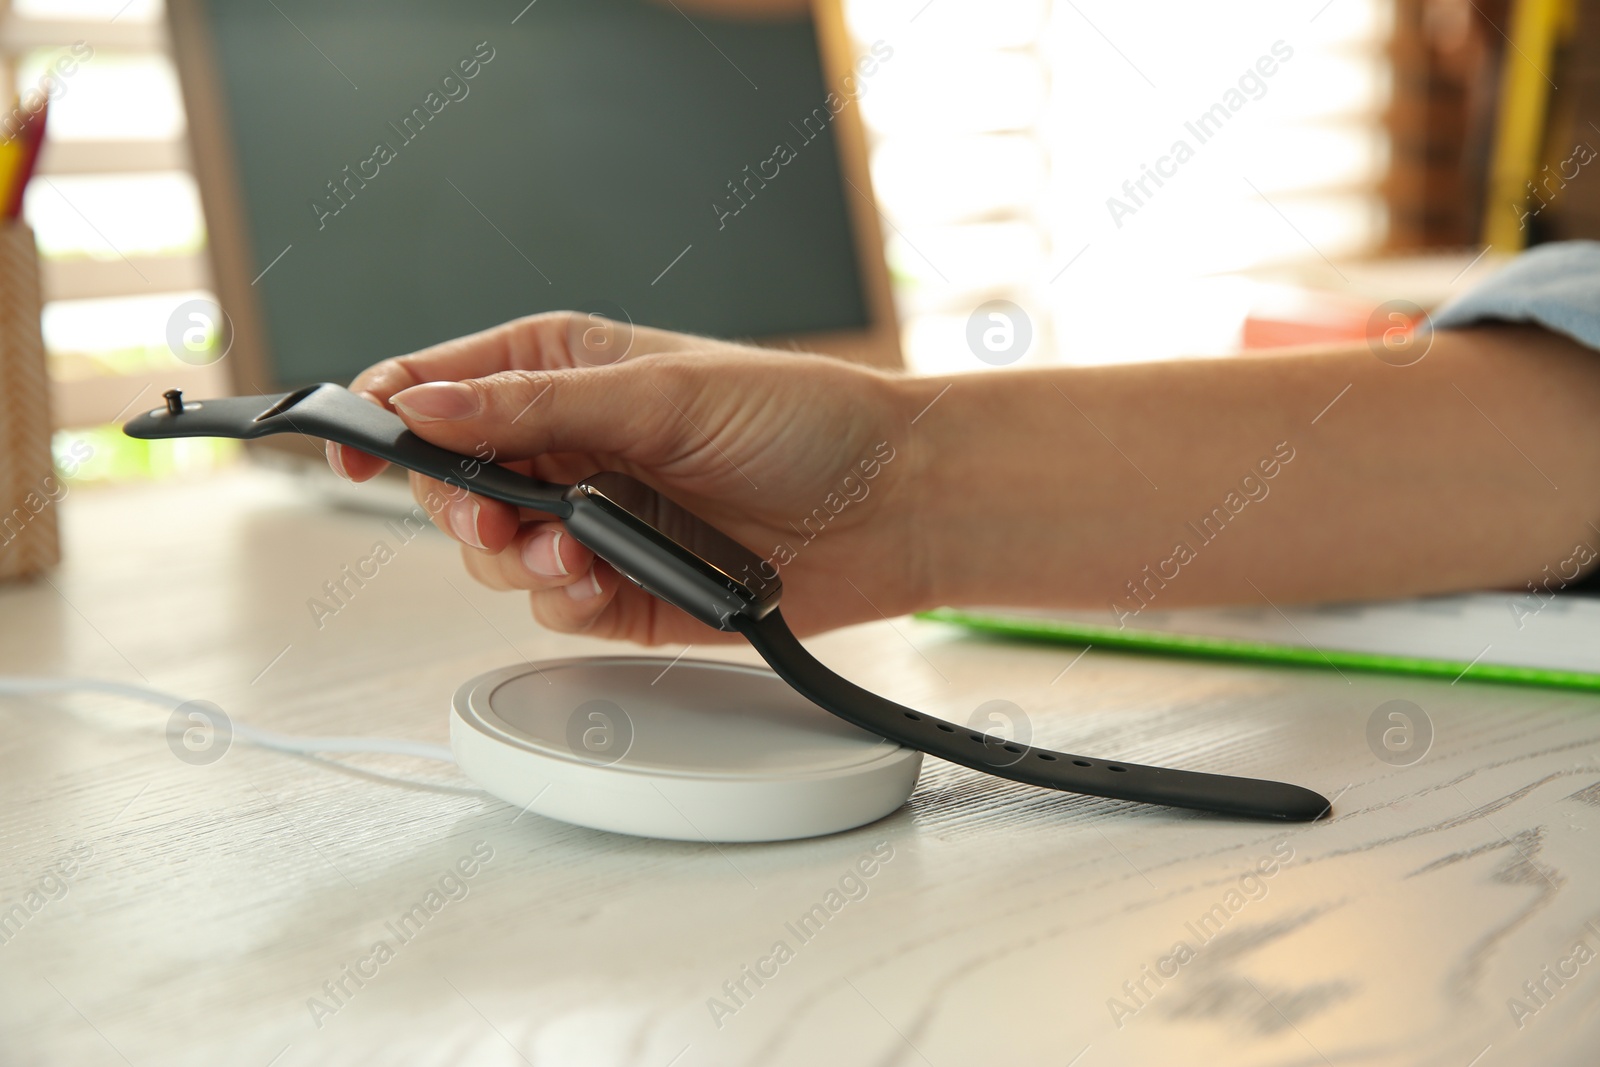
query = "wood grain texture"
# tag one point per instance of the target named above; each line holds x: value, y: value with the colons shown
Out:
x: 209, y: 904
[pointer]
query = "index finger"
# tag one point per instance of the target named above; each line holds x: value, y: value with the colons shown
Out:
x: 555, y: 340
x: 538, y: 341
x: 549, y: 341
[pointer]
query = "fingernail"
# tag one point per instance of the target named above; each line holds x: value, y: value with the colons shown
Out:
x: 542, y: 554
x: 585, y: 588
x: 336, y: 460
x: 464, y: 521
x: 438, y: 400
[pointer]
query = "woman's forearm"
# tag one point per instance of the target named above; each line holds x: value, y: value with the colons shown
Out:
x: 1306, y: 477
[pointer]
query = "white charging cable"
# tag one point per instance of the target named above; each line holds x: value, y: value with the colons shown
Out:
x: 299, y: 744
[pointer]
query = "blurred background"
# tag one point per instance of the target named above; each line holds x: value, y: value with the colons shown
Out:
x: 1386, y: 155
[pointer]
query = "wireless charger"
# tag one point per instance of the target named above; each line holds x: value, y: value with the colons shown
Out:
x: 689, y: 750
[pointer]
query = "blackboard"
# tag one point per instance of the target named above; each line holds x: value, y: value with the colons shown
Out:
x: 413, y: 171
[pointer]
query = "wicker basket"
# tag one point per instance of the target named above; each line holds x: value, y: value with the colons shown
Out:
x: 29, y: 488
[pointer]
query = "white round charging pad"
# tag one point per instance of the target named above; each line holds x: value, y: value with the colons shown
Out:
x: 691, y: 750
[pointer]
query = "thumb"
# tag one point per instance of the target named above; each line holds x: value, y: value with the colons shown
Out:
x: 633, y: 410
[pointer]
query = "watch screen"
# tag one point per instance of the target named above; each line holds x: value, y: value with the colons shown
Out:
x: 692, y: 534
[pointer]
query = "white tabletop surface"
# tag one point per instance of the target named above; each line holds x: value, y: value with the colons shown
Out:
x: 180, y: 913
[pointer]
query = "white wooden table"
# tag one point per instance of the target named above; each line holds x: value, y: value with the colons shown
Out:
x: 207, y: 905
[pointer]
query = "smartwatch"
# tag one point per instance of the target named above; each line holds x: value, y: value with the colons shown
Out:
x: 681, y: 559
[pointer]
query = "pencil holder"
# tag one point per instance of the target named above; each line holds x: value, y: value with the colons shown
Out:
x: 29, y: 488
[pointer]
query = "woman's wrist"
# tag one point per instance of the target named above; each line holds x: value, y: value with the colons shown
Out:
x: 955, y: 472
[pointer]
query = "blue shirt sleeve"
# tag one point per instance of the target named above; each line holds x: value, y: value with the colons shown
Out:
x: 1555, y: 285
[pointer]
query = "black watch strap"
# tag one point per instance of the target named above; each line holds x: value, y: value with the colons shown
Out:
x: 690, y: 564
x: 784, y: 653
x: 333, y: 413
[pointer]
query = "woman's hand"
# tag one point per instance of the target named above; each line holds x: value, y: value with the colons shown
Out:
x: 805, y: 460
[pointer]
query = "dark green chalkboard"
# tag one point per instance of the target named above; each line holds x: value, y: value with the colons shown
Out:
x: 594, y: 142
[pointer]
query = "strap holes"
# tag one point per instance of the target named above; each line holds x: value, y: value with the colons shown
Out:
x: 1114, y: 767
x: 947, y: 728
x: 1082, y: 763
x: 1012, y: 748
x: 913, y: 716
x: 1046, y: 757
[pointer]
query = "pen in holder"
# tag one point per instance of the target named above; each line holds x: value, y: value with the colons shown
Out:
x: 29, y: 542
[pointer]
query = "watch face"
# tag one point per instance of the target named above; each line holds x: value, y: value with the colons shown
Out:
x: 714, y: 551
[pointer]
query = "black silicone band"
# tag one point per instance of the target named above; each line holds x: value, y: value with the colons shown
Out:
x: 1253, y: 797
x: 333, y: 413
x: 689, y: 564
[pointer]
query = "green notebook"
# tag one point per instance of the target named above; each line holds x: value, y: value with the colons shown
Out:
x: 1480, y: 637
